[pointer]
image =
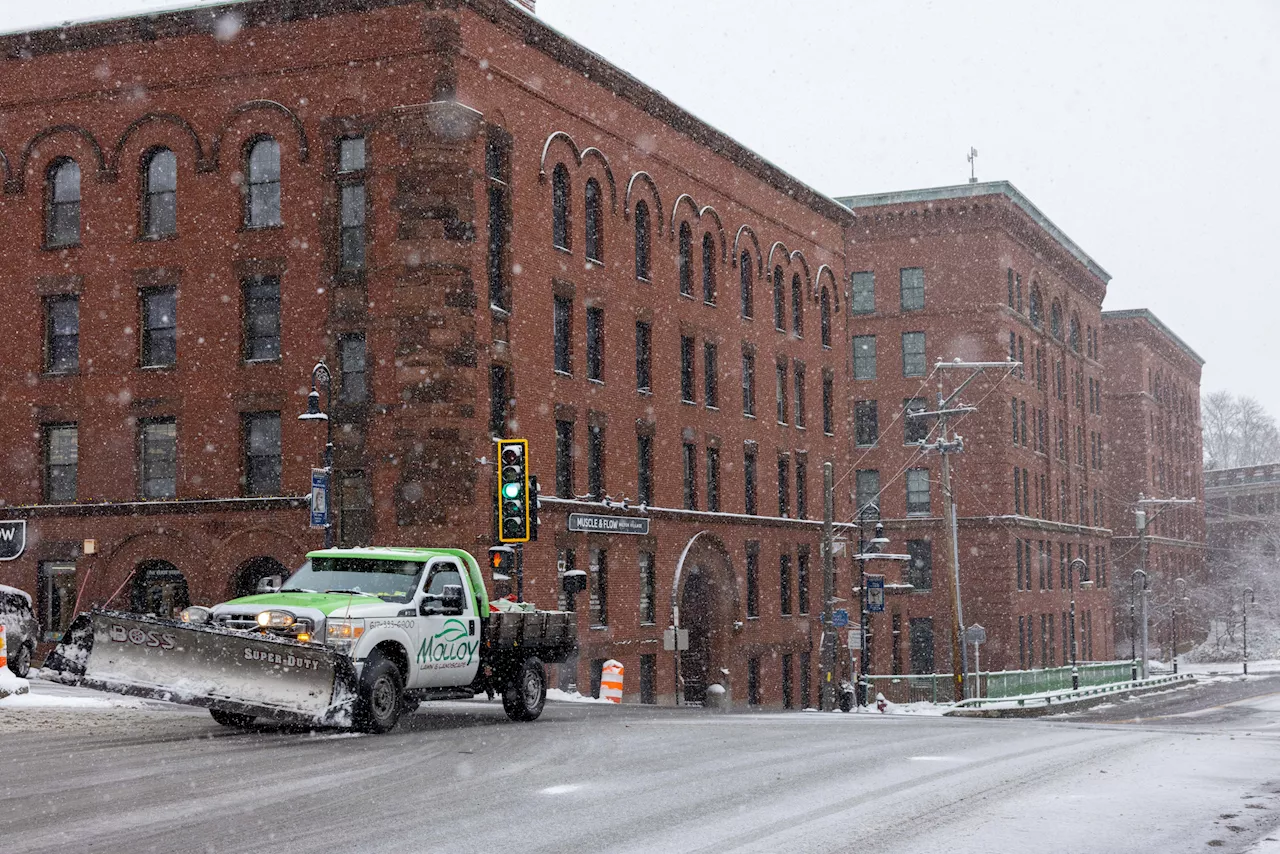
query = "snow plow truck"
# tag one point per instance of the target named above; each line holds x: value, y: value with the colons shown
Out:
x: 352, y: 639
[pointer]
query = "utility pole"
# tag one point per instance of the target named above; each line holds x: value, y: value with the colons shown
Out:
x: 1246, y: 599
x: 827, y: 653
x: 945, y: 445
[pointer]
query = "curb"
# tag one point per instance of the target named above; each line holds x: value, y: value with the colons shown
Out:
x: 1071, y: 702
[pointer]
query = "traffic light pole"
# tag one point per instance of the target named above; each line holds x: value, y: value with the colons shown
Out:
x: 827, y: 652
x: 519, y: 547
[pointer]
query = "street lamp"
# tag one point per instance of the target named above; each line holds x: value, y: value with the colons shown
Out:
x: 320, y: 376
x: 1179, y: 584
x: 1133, y: 626
x: 1071, y: 584
x: 870, y: 512
x: 1246, y: 599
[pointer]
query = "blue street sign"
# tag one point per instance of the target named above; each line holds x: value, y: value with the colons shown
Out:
x: 319, y: 498
x: 875, y: 594
x: 840, y: 619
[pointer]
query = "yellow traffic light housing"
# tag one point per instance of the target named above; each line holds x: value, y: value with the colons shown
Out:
x: 514, y: 510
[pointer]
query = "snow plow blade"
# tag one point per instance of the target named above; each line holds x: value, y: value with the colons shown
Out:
x: 197, y: 665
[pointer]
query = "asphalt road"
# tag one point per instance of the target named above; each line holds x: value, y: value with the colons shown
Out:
x: 1196, y: 769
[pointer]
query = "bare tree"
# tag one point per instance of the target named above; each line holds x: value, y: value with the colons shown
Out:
x: 1238, y: 431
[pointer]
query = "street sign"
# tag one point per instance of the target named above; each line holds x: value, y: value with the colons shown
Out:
x: 608, y: 524
x: 319, y: 498
x: 855, y: 638
x: 875, y: 594
x: 675, y: 640
x: 975, y: 634
x: 13, y: 538
x: 840, y: 618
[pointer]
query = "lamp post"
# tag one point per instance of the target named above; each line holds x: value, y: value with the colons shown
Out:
x: 1133, y: 626
x: 320, y: 375
x: 1071, y: 585
x: 869, y: 512
x: 1179, y: 584
x: 1246, y: 599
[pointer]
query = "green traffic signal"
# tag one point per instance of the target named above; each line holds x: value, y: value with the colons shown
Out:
x: 512, y: 490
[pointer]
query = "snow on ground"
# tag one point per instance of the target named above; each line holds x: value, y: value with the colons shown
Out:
x: 574, y: 697
x: 11, y: 685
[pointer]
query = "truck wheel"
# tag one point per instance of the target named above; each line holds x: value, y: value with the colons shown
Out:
x: 231, y: 719
x: 526, y: 694
x: 20, y: 664
x: 378, y: 705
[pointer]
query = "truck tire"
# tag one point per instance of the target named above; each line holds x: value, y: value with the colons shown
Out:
x: 20, y: 664
x: 526, y: 694
x: 231, y: 719
x: 379, y: 702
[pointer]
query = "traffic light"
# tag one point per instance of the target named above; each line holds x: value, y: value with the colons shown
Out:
x: 502, y: 562
x: 513, y: 491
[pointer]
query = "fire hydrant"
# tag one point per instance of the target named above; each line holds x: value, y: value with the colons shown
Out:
x: 881, y: 703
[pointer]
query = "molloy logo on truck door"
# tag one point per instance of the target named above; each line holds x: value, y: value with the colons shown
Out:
x: 449, y: 647
x: 13, y: 538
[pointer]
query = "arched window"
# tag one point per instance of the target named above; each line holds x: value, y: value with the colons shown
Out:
x: 1055, y: 320
x: 246, y: 578
x: 62, y: 203
x: 560, y: 207
x: 593, y: 221
x: 779, y: 302
x: 642, y: 241
x: 708, y: 269
x: 747, y: 285
x: 825, y: 307
x: 797, y: 305
x: 1073, y: 334
x: 1037, y: 316
x: 160, y: 194
x: 686, y: 262
x: 159, y: 588
x: 262, y: 195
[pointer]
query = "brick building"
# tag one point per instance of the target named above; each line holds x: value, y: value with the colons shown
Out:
x: 1240, y: 510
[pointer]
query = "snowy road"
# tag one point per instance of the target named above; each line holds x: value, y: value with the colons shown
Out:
x: 1194, y: 770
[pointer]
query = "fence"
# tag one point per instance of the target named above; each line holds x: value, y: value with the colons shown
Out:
x: 938, y: 687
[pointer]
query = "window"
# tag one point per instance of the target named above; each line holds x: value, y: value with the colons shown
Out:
x: 828, y: 403
x: 748, y: 383
x: 62, y: 204
x: 914, y: 428
x: 787, y: 701
x: 159, y: 327
x: 560, y: 203
x: 911, y: 285
x: 644, y: 468
x: 802, y: 579
x: 1055, y: 320
x: 648, y: 589
x: 746, y: 285
x: 710, y: 379
x: 913, y: 354
x: 1073, y: 333
x: 351, y: 226
x: 753, y: 579
x: 158, y: 449
x: 1017, y: 280
x: 690, y: 476
x: 61, y: 459
x: 1035, y: 310
x: 753, y: 681
x: 160, y: 194
x: 262, y: 189
x: 563, y: 323
x: 595, y: 344
x: 353, y: 367
x: 261, y: 318
x: 708, y: 269
x: 797, y: 306
x: 864, y: 357
x: 595, y: 461
x: 802, y: 488
x: 598, y: 570
x: 686, y: 260
x: 866, y: 421
x: 921, y: 630
x: 262, y: 453
x: 499, y: 399
x: 1010, y: 287
x: 1017, y: 491
x: 56, y: 597
x: 644, y: 357
x: 784, y: 584
x: 779, y: 301
x: 920, y: 566
x: 351, y: 155
x: 62, y: 334
x: 564, y: 459
x: 713, y: 479
x: 806, y: 681
x: 749, y: 480
x: 780, y: 376
x: 917, y: 492
x: 648, y: 679
x: 797, y: 375
x: 643, y: 241
x: 867, y: 489
x: 593, y: 221
x: 863, y: 292
x: 497, y: 167
x: 686, y: 369
x: 784, y: 485
x: 1013, y: 404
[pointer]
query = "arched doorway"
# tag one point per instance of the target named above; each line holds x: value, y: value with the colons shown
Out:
x: 706, y: 597
x: 159, y: 588
x: 696, y: 612
x: 246, y: 578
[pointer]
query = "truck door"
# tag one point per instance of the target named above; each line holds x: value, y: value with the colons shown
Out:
x: 449, y: 643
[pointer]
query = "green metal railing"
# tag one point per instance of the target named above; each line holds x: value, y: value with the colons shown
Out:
x: 938, y: 687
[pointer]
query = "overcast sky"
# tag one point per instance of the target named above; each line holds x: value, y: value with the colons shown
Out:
x: 1148, y: 131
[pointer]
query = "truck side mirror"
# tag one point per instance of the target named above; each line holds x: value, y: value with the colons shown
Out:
x: 451, y: 599
x: 270, y: 584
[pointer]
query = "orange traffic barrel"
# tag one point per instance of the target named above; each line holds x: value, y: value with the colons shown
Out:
x: 611, y: 681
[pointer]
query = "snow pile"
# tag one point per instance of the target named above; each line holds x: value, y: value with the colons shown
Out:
x: 575, y: 697
x: 10, y: 684
x: 53, y: 701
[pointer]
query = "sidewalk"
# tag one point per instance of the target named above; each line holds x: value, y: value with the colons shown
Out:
x: 1057, y: 702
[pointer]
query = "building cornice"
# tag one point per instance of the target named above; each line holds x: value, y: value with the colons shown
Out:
x: 1157, y: 324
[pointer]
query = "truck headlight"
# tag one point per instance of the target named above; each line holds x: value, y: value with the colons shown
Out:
x: 195, y: 615
x: 275, y: 619
x: 343, y: 633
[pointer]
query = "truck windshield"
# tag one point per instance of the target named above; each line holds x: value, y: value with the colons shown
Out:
x: 390, y: 580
